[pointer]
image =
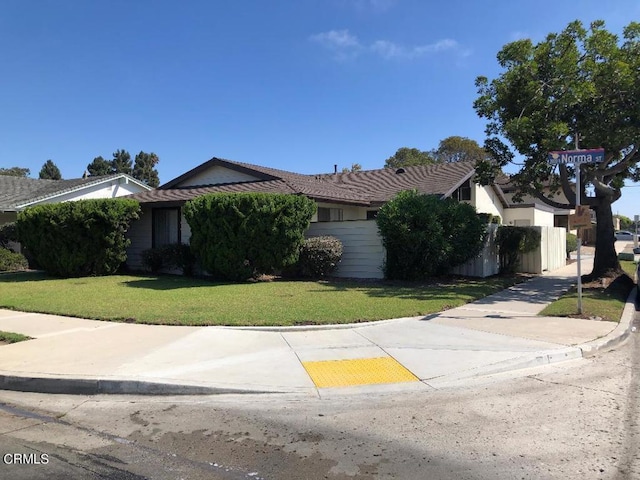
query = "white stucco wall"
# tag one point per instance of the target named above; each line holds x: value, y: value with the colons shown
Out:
x: 528, y: 216
x: 486, y: 200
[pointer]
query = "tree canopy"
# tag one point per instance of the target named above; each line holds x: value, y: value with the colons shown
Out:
x: 144, y: 168
x: 99, y: 166
x: 50, y: 171
x: 577, y: 88
x: 458, y: 149
x: 15, y: 172
x: 121, y: 162
x: 409, y: 157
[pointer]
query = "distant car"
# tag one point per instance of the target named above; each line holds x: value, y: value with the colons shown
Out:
x: 624, y: 235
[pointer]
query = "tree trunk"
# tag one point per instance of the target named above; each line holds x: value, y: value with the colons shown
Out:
x: 605, y: 263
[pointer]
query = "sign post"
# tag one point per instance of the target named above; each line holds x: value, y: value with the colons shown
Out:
x: 577, y: 158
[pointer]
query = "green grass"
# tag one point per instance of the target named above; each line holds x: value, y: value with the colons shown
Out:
x: 187, y: 301
x: 8, y: 337
x: 597, y: 301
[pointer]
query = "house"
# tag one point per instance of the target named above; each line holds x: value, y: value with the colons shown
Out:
x: 347, y: 203
x: 18, y: 193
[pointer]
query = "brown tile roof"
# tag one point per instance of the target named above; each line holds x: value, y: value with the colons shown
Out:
x: 358, y: 188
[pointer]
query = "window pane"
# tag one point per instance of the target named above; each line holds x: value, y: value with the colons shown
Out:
x: 165, y: 226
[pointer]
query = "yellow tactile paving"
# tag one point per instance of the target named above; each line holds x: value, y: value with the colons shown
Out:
x: 358, y: 371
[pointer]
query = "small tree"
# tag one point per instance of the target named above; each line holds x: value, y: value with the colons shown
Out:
x: 50, y: 171
x: 238, y: 236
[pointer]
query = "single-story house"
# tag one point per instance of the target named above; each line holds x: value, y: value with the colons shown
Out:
x: 18, y: 193
x: 347, y: 202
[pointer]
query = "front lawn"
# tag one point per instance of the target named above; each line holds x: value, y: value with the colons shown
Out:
x: 174, y: 300
x: 605, y: 302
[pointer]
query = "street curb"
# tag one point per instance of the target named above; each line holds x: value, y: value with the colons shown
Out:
x: 536, y: 359
x: 619, y: 334
x: 89, y: 386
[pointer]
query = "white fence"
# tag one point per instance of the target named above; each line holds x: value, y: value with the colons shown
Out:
x: 551, y: 254
x: 362, y: 251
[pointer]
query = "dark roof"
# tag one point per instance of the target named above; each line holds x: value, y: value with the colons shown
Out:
x: 17, y: 192
x: 356, y: 188
x: 383, y: 184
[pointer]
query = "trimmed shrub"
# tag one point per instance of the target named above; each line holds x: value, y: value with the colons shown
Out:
x: 175, y: 255
x: 513, y: 241
x: 426, y: 236
x: 153, y: 259
x: 12, y: 261
x: 81, y: 238
x: 241, y: 235
x: 319, y: 256
x: 572, y: 243
x: 8, y: 234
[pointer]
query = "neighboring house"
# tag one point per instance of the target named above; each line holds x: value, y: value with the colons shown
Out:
x: 347, y: 202
x: 18, y: 193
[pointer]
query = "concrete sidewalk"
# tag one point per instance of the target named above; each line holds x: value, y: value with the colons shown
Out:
x: 498, y: 333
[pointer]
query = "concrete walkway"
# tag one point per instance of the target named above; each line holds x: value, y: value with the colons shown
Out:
x: 498, y: 333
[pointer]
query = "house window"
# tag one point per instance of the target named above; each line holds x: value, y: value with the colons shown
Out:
x: 372, y: 214
x: 463, y: 192
x: 329, y: 214
x: 166, y: 226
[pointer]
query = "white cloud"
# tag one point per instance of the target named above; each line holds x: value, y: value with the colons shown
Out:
x: 336, y: 39
x: 392, y: 50
x: 347, y: 45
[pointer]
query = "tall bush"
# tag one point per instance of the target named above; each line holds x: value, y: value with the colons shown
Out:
x: 513, y: 241
x: 239, y: 235
x: 426, y: 236
x: 80, y: 238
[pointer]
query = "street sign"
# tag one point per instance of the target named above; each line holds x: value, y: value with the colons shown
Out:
x: 595, y: 155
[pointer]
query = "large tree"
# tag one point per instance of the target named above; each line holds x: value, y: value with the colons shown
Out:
x: 99, y: 166
x: 144, y: 168
x: 409, y: 157
x: 579, y: 87
x: 459, y: 149
x: 50, y: 171
x: 15, y: 172
x: 121, y: 162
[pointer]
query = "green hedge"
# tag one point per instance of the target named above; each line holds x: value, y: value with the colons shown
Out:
x: 81, y: 238
x: 425, y: 236
x: 240, y: 235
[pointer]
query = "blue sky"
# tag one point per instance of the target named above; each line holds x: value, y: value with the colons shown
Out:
x: 299, y: 85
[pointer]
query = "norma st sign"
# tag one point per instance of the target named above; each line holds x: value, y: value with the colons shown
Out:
x: 595, y: 155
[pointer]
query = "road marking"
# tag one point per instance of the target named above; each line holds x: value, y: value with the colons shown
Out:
x: 358, y: 371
